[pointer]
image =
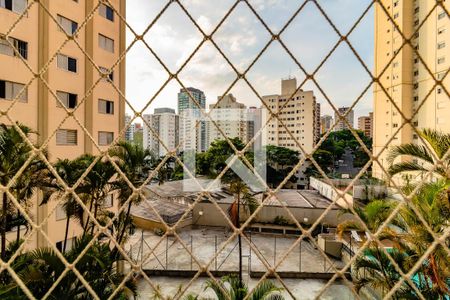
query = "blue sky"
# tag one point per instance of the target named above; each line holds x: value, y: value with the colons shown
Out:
x: 241, y: 37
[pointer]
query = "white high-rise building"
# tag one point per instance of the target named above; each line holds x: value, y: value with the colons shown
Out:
x: 129, y: 133
x: 230, y: 116
x: 164, y: 123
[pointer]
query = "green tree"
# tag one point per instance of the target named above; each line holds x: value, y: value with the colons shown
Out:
x: 280, y: 161
x: 229, y: 287
x: 41, y: 268
x: 424, y: 157
x: 69, y: 171
x: 373, y: 215
x: 135, y: 163
x: 14, y: 153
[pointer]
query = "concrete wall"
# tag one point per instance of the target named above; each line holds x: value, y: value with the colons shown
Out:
x: 212, y: 216
x: 329, y: 192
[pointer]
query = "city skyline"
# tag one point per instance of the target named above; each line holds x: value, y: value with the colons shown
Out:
x: 341, y: 77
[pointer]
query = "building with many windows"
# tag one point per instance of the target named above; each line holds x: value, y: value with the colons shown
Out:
x: 163, y: 124
x: 71, y: 83
x: 326, y: 122
x: 407, y: 79
x: 340, y: 124
x: 299, y: 118
x: 192, y: 136
x: 230, y: 116
x: 365, y: 124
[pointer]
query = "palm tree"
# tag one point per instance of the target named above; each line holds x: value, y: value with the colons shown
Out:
x: 69, y: 171
x: 373, y: 215
x: 97, y: 185
x: 242, y: 197
x: 14, y: 152
x: 424, y: 157
x: 432, y: 202
x: 411, y: 241
x: 135, y: 162
x: 40, y: 268
x: 230, y: 287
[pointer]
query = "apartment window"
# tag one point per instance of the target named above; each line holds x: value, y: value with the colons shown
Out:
x: 11, y: 90
x: 440, y: 75
x: 416, y: 22
x: 20, y: 46
x: 441, y: 60
x: 416, y: 86
x: 106, y: 43
x: 395, y: 125
x: 395, y: 3
x: 441, y: 15
x: 441, y: 105
x: 105, y: 107
x: 105, y: 138
x: 441, y: 45
x: 416, y: 73
x: 416, y: 60
x: 67, y: 63
x: 416, y: 10
x: 67, y: 137
x: 395, y: 64
x: 106, y: 12
x: 395, y: 15
x: 68, y: 100
x: 67, y: 25
x: 17, y: 6
x: 106, y: 71
x: 441, y: 30
x: 416, y: 98
x: 439, y: 90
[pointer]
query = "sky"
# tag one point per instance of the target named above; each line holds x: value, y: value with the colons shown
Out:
x: 309, y: 37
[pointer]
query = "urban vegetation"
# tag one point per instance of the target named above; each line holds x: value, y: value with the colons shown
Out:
x: 412, y: 231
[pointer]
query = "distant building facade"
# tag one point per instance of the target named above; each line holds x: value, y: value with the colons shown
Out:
x: 406, y: 79
x: 326, y: 122
x: 230, y: 116
x: 299, y: 117
x: 192, y: 137
x: 365, y: 124
x: 317, y: 132
x: 129, y: 133
x: 163, y: 123
x: 341, y: 125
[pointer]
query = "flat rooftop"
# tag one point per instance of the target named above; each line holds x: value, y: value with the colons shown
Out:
x: 300, y: 198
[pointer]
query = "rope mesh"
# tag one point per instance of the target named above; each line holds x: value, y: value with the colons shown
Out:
x: 137, y: 269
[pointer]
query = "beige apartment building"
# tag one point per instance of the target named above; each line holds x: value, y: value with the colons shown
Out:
x: 299, y: 117
x: 365, y: 124
x: 349, y: 117
x: 71, y: 77
x: 326, y: 122
x: 406, y: 80
x: 231, y: 117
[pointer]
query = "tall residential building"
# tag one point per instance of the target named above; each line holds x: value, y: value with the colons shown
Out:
x: 341, y: 125
x: 164, y: 123
x: 326, y: 122
x: 405, y: 78
x: 299, y: 117
x: 254, y: 124
x: 192, y: 137
x: 365, y: 124
x: 230, y: 116
x: 129, y: 133
x: 70, y: 77
x: 317, y: 132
